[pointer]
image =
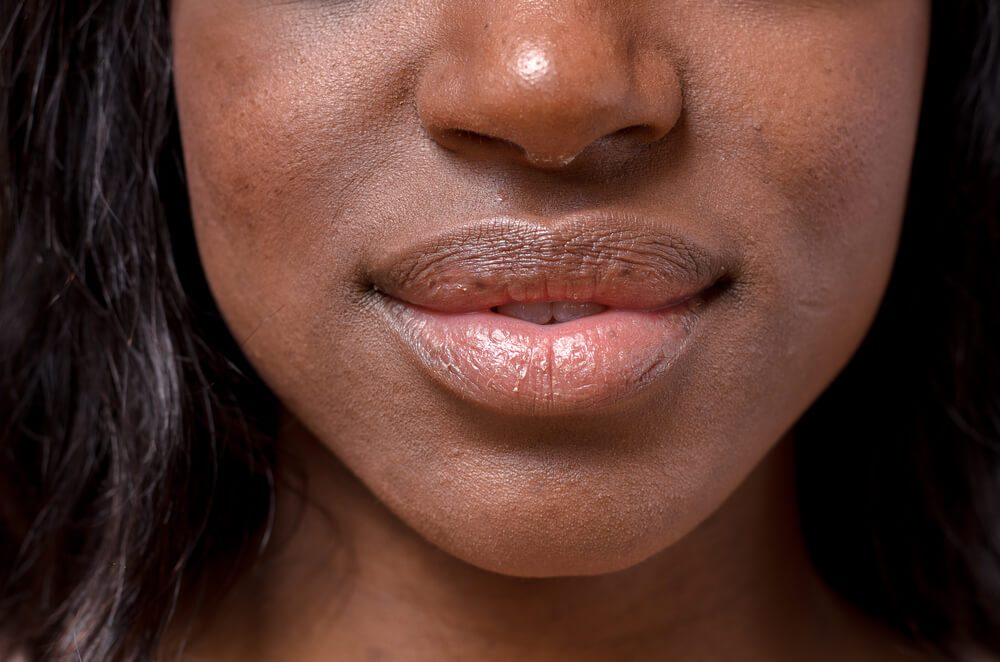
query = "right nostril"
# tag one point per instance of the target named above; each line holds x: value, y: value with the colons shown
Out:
x: 463, y: 134
x: 464, y: 139
x: 481, y: 138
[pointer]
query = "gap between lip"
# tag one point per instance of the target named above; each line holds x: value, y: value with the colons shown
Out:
x: 693, y: 300
x: 551, y: 311
x: 688, y: 305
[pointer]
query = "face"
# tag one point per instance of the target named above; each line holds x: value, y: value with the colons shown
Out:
x: 549, y: 276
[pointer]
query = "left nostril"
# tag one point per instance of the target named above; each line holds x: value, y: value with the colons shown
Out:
x: 637, y: 134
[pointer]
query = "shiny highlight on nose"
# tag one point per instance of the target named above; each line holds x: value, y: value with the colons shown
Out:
x: 533, y: 64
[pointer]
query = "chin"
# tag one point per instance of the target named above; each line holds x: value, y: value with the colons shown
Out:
x: 561, y: 547
x: 556, y: 533
x: 542, y: 562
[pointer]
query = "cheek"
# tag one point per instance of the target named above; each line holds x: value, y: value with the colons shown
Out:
x: 277, y: 127
x: 800, y: 144
x: 810, y: 128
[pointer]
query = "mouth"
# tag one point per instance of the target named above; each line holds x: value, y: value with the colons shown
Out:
x: 525, y: 318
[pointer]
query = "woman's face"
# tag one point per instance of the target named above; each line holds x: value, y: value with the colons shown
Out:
x: 701, y: 197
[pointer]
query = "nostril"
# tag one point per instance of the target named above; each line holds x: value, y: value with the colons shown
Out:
x: 637, y: 134
x: 476, y: 144
x: 462, y: 134
x: 552, y: 155
x: 461, y: 139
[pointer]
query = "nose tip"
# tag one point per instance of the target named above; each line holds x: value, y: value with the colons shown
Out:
x: 544, y: 91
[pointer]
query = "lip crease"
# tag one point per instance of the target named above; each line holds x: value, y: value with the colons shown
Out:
x: 439, y: 296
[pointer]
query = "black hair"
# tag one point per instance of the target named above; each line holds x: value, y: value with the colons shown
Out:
x: 899, y: 459
x: 134, y: 436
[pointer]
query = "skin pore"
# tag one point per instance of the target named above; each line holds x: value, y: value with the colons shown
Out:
x: 323, y: 140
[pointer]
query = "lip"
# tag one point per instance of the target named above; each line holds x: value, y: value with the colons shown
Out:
x: 437, y: 296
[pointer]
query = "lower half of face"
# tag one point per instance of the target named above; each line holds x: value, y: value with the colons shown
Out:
x: 549, y: 278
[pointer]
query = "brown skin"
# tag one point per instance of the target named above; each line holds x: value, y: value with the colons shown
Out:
x: 319, y: 136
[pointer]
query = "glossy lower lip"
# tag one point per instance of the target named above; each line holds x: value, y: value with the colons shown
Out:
x: 515, y: 367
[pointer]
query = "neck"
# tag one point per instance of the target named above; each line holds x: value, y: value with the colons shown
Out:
x: 346, y: 579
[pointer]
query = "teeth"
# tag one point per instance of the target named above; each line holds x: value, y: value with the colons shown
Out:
x: 539, y: 313
x: 544, y: 313
x: 564, y: 311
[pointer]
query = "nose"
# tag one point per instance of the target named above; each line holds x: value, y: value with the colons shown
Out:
x: 542, y: 81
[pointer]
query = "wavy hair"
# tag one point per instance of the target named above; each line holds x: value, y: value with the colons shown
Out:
x: 135, y: 440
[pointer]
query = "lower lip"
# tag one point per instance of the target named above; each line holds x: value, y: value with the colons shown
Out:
x: 516, y: 367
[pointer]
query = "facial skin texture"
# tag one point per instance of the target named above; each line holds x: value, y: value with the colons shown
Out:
x: 320, y: 137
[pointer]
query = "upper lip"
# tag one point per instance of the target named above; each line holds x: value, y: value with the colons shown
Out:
x: 619, y: 261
